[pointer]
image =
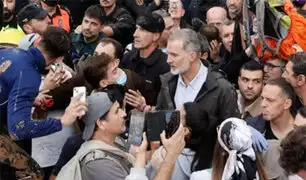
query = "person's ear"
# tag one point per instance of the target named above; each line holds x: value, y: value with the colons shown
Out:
x: 183, y: 11
x: 187, y: 131
x: 102, y: 27
x: 101, y: 124
x: 103, y: 83
x: 59, y: 59
x: 193, y: 56
x: 117, y: 61
x: 27, y: 28
x: 205, y: 56
x: 301, y: 80
x: 156, y: 36
x: 239, y: 79
x: 288, y: 103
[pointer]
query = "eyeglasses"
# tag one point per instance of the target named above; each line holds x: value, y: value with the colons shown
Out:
x: 175, y: 4
x: 270, y: 66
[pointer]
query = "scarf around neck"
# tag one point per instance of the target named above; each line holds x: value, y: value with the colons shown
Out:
x: 235, y: 138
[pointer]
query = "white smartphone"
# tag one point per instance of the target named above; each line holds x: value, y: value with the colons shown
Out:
x: 56, y: 66
x: 80, y: 90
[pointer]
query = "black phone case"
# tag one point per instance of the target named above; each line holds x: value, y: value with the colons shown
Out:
x: 155, y: 124
x: 172, y: 122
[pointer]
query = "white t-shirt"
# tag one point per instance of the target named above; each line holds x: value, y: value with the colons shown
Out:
x: 200, y: 175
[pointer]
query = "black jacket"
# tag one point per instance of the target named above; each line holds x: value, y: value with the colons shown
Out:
x: 234, y: 60
x: 150, y: 68
x: 77, y: 9
x: 217, y: 95
x: 258, y: 123
x: 122, y: 23
x: 185, y: 25
x: 232, y: 67
x: 140, y: 7
x: 199, y: 8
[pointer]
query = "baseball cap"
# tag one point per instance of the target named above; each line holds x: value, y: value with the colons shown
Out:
x: 151, y: 22
x: 98, y: 105
x: 51, y: 2
x: 30, y: 11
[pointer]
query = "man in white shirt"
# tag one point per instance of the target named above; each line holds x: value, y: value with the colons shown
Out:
x: 193, y: 80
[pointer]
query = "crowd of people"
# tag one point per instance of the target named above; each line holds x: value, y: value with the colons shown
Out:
x: 241, y: 112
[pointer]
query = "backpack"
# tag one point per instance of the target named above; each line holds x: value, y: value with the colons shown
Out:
x: 100, y: 154
x: 279, y: 27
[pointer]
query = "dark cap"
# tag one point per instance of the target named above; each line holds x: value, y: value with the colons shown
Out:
x: 98, y: 105
x: 50, y: 2
x: 299, y: 2
x: 151, y: 22
x: 30, y: 11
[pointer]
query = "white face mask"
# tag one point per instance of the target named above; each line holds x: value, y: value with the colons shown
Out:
x: 122, y: 79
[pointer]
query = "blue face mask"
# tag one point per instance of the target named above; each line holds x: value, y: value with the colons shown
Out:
x: 122, y: 79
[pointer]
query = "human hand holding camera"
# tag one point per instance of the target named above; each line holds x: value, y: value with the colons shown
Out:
x: 76, y: 109
x: 175, y: 144
x: 53, y: 79
x: 141, y: 152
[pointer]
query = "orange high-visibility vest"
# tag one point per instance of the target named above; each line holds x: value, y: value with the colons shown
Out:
x: 61, y: 19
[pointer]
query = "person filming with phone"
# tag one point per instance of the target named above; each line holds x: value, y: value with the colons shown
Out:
x: 195, y: 122
x: 20, y: 77
x: 100, y: 156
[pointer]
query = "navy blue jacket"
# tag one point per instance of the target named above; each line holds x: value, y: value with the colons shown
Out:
x: 258, y: 122
x: 19, y: 85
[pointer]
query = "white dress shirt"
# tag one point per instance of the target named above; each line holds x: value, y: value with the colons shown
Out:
x: 188, y: 92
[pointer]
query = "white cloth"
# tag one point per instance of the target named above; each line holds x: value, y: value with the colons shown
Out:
x: 294, y: 177
x: 28, y: 40
x: 137, y: 174
x: 201, y: 175
x: 188, y: 92
x: 238, y: 137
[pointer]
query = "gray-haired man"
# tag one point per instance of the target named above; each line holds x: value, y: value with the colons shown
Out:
x: 193, y: 80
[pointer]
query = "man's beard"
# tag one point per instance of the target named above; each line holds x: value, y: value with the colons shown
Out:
x: 235, y: 14
x: 7, y: 15
x: 179, y: 70
x: 90, y: 38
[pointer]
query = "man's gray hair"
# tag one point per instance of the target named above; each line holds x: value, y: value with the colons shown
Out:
x: 191, y: 40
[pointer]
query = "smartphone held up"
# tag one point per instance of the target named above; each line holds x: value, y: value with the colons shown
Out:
x: 80, y: 91
x: 57, y: 67
x: 153, y: 123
